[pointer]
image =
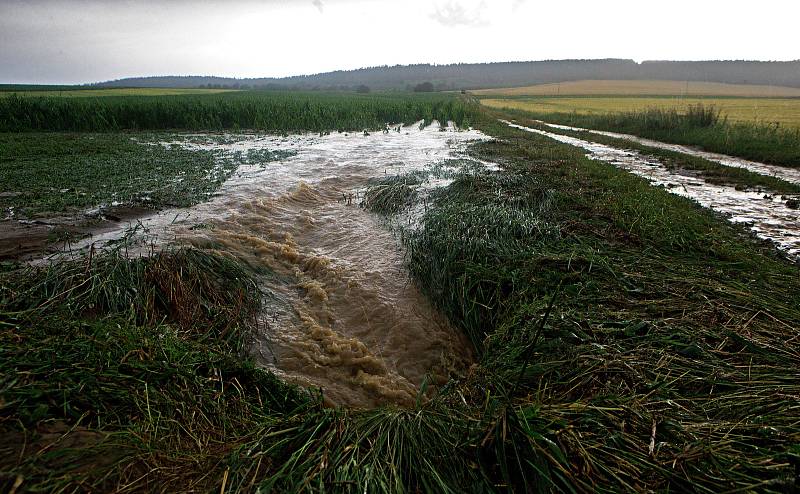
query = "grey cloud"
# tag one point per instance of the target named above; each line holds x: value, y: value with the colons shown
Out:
x: 318, y: 4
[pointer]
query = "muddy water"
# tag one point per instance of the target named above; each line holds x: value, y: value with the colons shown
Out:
x: 341, y: 313
x: 768, y: 217
x: 791, y: 175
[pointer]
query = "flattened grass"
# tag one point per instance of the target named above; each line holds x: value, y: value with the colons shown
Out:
x: 710, y: 171
x: 628, y: 340
x: 755, y: 141
x: 670, y: 358
x: 46, y: 174
x: 128, y: 375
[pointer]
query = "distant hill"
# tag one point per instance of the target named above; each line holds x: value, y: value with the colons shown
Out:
x: 494, y: 75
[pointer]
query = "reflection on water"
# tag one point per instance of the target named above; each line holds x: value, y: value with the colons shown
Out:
x: 767, y: 216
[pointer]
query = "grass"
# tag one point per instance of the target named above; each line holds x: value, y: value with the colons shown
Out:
x: 644, y: 88
x: 267, y: 111
x: 664, y: 328
x: 58, y: 173
x: 628, y: 340
x: 782, y: 112
x: 699, y: 125
x: 92, y: 93
x: 710, y: 171
x: 128, y: 374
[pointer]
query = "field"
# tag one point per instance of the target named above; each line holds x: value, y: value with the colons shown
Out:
x: 261, y: 110
x: 94, y: 93
x: 623, y: 338
x: 782, y: 111
x: 685, y: 89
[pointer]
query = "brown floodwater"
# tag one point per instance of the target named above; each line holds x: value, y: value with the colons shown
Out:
x: 340, y: 311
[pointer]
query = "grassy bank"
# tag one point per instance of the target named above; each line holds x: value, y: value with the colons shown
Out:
x: 701, y: 125
x: 710, y: 171
x: 628, y: 339
x: 267, y: 111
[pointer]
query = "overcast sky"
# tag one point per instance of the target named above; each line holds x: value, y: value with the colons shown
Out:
x: 76, y: 41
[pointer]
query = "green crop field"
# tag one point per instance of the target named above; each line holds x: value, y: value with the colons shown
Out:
x: 258, y: 110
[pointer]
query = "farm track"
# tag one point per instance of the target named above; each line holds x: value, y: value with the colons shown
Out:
x: 767, y: 215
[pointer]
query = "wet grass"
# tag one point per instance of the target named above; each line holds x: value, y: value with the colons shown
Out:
x: 129, y: 375
x: 55, y: 173
x: 257, y: 110
x: 46, y: 174
x: 392, y: 194
x: 628, y: 340
x: 767, y: 143
x: 712, y: 172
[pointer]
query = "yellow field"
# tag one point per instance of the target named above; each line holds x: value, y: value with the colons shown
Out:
x: 83, y: 93
x: 644, y: 88
x: 785, y: 111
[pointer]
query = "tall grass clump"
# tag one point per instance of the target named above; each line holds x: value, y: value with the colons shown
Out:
x: 274, y: 111
x: 700, y: 125
x: 129, y: 374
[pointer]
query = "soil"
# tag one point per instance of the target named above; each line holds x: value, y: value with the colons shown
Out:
x: 22, y: 240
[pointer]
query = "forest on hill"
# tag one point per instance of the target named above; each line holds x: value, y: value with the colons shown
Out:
x: 489, y: 75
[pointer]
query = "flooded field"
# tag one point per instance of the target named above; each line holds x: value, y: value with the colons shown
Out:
x: 341, y: 313
x: 791, y: 175
x: 767, y: 216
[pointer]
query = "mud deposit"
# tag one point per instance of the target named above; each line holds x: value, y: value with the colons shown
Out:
x: 767, y: 216
x: 341, y: 313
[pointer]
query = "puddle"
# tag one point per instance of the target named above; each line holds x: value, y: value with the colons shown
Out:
x: 341, y: 312
x: 768, y: 217
x: 791, y: 175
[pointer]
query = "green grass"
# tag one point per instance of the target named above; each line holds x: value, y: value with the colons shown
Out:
x: 710, y: 171
x: 627, y: 340
x: 663, y: 316
x: 269, y: 111
x: 129, y: 374
x: 55, y: 173
x: 767, y: 143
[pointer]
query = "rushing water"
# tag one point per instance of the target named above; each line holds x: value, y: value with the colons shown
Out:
x: 767, y: 216
x: 791, y: 175
x: 341, y: 313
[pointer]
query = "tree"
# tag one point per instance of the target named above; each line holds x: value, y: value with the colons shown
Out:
x: 423, y: 87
